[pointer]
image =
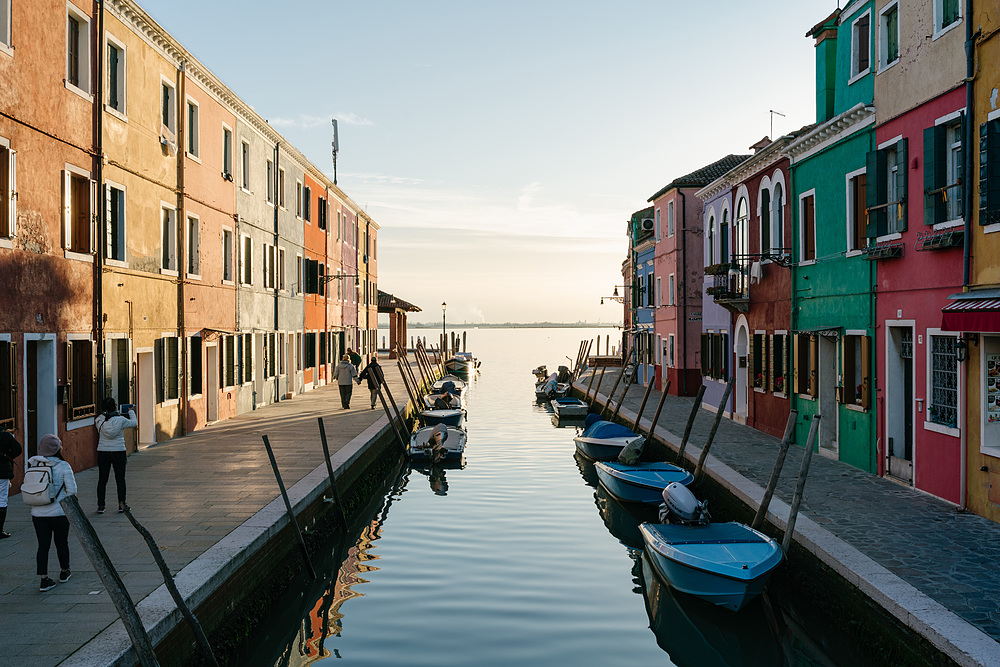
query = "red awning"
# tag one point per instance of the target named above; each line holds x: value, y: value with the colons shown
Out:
x: 971, y: 315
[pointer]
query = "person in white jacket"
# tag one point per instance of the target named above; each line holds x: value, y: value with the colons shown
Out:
x: 346, y: 374
x: 111, y: 450
x: 49, y: 520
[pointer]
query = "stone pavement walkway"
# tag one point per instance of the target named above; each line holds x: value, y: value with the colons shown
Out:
x: 189, y: 492
x: 951, y: 557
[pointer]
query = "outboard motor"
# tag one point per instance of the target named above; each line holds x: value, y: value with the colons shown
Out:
x: 563, y: 374
x: 540, y: 373
x: 680, y: 507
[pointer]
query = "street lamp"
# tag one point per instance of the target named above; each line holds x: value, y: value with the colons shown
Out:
x: 614, y: 297
x: 444, y: 330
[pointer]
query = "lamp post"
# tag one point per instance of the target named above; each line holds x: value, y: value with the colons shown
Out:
x: 444, y: 329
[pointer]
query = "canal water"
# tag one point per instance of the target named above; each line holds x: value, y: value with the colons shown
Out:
x: 517, y: 558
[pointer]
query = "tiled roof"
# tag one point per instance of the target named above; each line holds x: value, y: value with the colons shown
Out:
x: 702, y: 177
x: 388, y: 303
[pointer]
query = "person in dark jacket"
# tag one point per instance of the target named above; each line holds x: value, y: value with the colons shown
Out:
x: 10, y: 449
x: 354, y: 357
x: 373, y: 373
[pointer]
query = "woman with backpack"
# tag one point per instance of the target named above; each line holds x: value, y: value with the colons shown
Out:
x: 10, y: 449
x: 49, y: 520
x: 111, y: 450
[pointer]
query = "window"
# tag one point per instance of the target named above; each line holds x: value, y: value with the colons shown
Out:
x: 193, y: 129
x: 270, y: 182
x: 310, y: 350
x: 245, y: 165
x: 8, y: 190
x: 166, y: 358
x: 307, y: 203
x: 246, y: 365
x: 720, y: 356
x: 78, y: 204
x: 322, y: 347
x: 989, y: 172
x: 885, y: 192
x: 321, y: 212
x: 943, y: 407
x: 857, y: 199
x: 888, y: 32
x: 861, y: 45
x: 298, y: 199
x: 659, y: 293
x: 168, y: 240
x: 670, y: 218
x: 741, y: 231
x: 281, y: 187
x: 778, y: 363
x: 808, y: 232
x: 299, y: 274
x: 8, y: 384
x: 168, y: 108
x: 670, y: 350
x: 227, y: 153
x: 281, y: 269
x: 806, y: 362
x: 77, y: 51
x: 116, y: 76
x: 298, y: 347
x: 268, y: 258
x: 194, y: 365
x: 115, y: 236
x: 227, y: 255
x: 228, y: 358
x: 5, y: 25
x: 246, y: 261
x: 778, y: 221
x: 710, y: 242
x: 855, y: 359
x: 194, y: 246
x: 271, y: 341
x: 943, y: 162
x: 758, y: 361
x: 946, y: 13
x: 657, y: 221
x: 671, y: 297
x: 724, y: 238
x: 80, y: 379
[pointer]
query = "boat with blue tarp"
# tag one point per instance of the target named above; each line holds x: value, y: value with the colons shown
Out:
x: 640, y: 483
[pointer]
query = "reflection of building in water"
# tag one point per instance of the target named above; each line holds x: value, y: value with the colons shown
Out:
x: 324, y: 619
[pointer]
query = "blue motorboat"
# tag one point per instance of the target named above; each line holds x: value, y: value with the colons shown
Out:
x: 726, y: 564
x: 604, y: 440
x: 640, y: 483
x: 570, y: 408
x: 436, y: 443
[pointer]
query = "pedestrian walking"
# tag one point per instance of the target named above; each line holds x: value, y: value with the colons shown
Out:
x: 49, y: 520
x: 372, y: 373
x: 346, y: 374
x: 111, y: 451
x: 355, y: 357
x: 10, y: 449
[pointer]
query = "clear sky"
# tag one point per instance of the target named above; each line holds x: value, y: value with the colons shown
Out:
x: 502, y: 146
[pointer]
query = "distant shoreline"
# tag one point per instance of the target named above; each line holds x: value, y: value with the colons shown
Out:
x: 514, y: 325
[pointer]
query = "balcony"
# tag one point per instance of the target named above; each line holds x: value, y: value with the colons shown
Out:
x: 731, y: 289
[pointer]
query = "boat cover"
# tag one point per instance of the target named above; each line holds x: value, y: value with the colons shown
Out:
x: 713, y: 533
x: 606, y: 429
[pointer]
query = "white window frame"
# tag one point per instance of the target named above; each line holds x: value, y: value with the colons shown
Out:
x: 952, y: 120
x: 988, y: 346
x: 281, y: 269
x: 168, y: 228
x: 68, y: 173
x: 659, y: 349
x: 298, y: 199
x: 72, y: 425
x: 656, y: 216
x: 11, y: 197
x: 281, y: 188
x: 109, y: 185
x: 5, y: 28
x: 940, y: 30
x: 929, y: 385
x: 671, y: 351
x: 670, y: 218
x: 228, y: 258
x: 855, y: 51
x: 271, y: 185
x: 671, y: 295
x: 659, y: 292
x: 883, y: 41
x: 849, y: 198
x: 121, y: 111
x: 193, y: 138
x: 299, y: 268
x: 86, y: 68
x: 245, y: 165
x: 227, y: 153
x: 171, y: 123
x: 171, y: 401
x: 193, y: 242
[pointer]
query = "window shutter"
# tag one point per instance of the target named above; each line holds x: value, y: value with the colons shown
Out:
x: 91, y: 215
x: 989, y: 172
x: 898, y: 213
x: 67, y: 209
x: 70, y: 380
x: 875, y: 193
x: 11, y: 406
x: 798, y: 362
x: 706, y: 360
x: 158, y: 368
x: 847, y: 389
x: 934, y: 165
x: 770, y: 362
x: 320, y: 285
x: 109, y: 222
x: 865, y: 380
x: 751, y: 360
x: 12, y: 196
x: 959, y: 192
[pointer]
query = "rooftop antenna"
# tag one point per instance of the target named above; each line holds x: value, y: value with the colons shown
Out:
x: 336, y: 148
x: 771, y: 136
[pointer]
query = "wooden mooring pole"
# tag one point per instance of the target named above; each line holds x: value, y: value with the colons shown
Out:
x: 112, y: 582
x: 642, y: 405
x: 690, y: 423
x: 715, y: 427
x: 288, y: 509
x: 612, y: 394
x: 333, y: 480
x: 383, y: 390
x: 628, y: 385
x: 765, y: 502
x: 800, y: 486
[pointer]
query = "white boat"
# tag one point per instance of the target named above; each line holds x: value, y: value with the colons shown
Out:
x: 457, y: 384
x: 455, y: 402
x: 568, y: 408
x: 452, y: 445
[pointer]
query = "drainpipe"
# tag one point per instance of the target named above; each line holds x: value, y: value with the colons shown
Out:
x: 182, y: 348
x: 970, y: 49
x: 683, y: 274
x: 100, y: 219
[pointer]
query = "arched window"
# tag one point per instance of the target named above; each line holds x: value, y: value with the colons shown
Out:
x: 724, y: 238
x: 741, y: 240
x: 711, y: 241
x: 765, y: 221
x: 779, y: 217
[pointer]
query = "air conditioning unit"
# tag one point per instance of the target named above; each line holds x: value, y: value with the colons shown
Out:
x: 647, y: 224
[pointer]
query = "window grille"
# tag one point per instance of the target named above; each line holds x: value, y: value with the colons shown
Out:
x: 944, y: 381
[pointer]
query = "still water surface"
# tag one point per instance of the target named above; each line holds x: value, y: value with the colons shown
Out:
x: 517, y: 558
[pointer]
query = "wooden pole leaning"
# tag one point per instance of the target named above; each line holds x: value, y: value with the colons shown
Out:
x: 597, y: 389
x: 112, y: 582
x: 333, y: 480
x: 642, y: 405
x: 590, y: 384
x: 715, y: 427
x: 611, y: 396
x: 800, y: 486
x: 406, y: 382
x: 168, y: 580
x: 383, y: 390
x: 406, y: 369
x: 690, y: 423
x: 288, y: 509
x: 656, y: 413
x: 628, y: 385
x: 765, y: 502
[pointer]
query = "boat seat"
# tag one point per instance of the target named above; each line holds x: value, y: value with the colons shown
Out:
x: 713, y: 533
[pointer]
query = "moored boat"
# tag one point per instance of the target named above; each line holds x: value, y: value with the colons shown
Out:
x: 450, y: 443
x: 451, y: 383
x: 570, y: 408
x: 640, y: 483
x: 604, y: 440
x: 449, y: 417
x: 454, y: 402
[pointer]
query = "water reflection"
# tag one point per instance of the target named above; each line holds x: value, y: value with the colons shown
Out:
x: 435, y: 473
x: 621, y: 522
x: 587, y: 470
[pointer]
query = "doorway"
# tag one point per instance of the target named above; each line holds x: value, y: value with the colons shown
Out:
x: 212, y: 382
x: 145, y: 396
x: 899, y: 417
x: 40, y: 381
x: 742, y: 372
x: 827, y: 388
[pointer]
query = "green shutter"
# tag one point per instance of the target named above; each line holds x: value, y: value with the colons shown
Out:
x: 898, y: 213
x: 989, y: 172
x: 959, y: 192
x: 158, y: 368
x: 935, y: 165
x: 875, y: 193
